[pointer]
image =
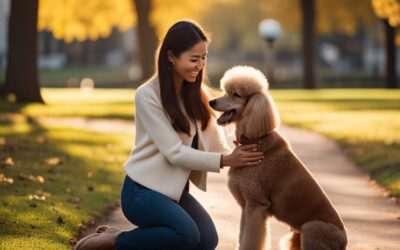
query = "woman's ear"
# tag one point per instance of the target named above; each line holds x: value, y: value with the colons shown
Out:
x: 170, y: 56
x: 259, y: 117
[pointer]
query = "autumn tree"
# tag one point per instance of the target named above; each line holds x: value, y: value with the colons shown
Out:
x: 147, y: 37
x: 315, y: 17
x: 389, y: 11
x: 308, y: 45
x: 21, y: 72
x: 87, y: 21
x: 76, y: 20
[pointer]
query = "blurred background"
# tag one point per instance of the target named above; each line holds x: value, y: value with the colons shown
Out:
x: 322, y: 43
x: 333, y: 67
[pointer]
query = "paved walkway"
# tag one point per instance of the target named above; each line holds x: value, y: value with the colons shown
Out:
x: 372, y: 221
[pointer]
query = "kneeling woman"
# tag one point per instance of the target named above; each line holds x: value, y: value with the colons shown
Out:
x: 177, y: 139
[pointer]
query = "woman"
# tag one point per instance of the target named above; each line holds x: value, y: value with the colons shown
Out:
x: 172, y: 119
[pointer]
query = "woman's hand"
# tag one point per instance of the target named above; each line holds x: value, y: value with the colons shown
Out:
x: 242, y: 156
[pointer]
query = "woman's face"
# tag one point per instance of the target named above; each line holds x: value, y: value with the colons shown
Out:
x: 188, y: 65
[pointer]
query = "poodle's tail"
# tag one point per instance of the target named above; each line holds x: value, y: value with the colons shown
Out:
x: 322, y: 235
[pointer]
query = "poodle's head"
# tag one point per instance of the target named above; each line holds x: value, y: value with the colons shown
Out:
x: 246, y: 101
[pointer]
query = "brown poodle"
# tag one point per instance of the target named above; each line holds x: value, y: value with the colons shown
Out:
x: 280, y: 185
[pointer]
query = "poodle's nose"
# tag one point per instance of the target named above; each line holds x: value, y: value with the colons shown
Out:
x: 212, y: 103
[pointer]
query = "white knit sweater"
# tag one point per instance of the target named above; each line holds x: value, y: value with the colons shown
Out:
x: 163, y: 159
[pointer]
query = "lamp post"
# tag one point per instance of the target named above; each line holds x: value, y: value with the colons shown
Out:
x: 269, y: 30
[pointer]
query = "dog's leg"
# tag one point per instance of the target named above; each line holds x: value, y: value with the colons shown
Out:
x: 290, y: 241
x: 318, y: 235
x: 237, y: 194
x: 242, y: 223
x: 254, y: 233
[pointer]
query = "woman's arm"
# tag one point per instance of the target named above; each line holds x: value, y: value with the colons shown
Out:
x: 150, y: 113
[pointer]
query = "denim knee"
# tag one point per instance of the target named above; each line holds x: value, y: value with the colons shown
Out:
x: 213, y: 243
x: 208, y: 242
x: 190, y: 238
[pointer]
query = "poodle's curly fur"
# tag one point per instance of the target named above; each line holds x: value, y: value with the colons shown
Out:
x: 247, y: 78
x: 281, y: 185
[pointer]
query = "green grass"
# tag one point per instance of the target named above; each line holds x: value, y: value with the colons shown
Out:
x: 365, y: 122
x: 71, y: 76
x: 54, y: 180
x: 99, y: 103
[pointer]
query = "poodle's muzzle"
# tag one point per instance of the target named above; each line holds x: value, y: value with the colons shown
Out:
x: 229, y: 108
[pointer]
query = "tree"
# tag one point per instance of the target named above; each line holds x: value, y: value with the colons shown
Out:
x: 341, y: 16
x: 159, y: 15
x: 81, y: 20
x: 147, y: 37
x: 390, y: 46
x: 389, y: 11
x: 22, y: 73
x: 308, y: 16
x: 91, y: 19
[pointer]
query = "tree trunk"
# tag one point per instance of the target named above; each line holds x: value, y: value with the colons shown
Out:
x: 391, y: 77
x: 147, y: 37
x: 22, y: 72
x: 308, y: 16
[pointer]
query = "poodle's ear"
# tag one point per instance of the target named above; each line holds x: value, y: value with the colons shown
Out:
x: 260, y: 116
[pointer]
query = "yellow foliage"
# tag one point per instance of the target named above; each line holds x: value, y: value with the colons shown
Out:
x: 81, y: 20
x: 343, y: 15
x: 165, y: 13
x: 340, y: 15
x: 388, y: 9
x: 286, y: 12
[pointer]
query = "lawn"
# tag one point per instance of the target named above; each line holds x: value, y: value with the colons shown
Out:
x: 365, y: 122
x: 110, y: 77
x: 73, y: 102
x: 54, y: 180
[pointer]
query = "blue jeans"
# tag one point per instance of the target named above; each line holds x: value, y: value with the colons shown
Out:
x: 162, y: 222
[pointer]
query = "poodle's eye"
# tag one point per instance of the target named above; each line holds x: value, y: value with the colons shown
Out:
x: 236, y: 95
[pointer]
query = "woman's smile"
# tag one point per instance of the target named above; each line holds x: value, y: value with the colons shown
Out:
x: 193, y: 73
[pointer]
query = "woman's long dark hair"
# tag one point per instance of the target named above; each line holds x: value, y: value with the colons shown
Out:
x: 181, y: 37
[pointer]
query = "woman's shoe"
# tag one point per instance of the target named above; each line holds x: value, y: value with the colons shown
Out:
x: 99, y: 241
x: 102, y: 228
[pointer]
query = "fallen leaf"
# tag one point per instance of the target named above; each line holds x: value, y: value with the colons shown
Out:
x: 36, y: 197
x: 33, y: 178
x: 4, y: 179
x: 8, y: 162
x: 39, y: 195
x: 90, y: 174
x: 40, y: 179
x: 3, y: 141
x: 53, y: 161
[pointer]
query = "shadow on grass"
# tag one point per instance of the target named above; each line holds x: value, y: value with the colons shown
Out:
x: 59, y: 178
x: 6, y: 106
x: 351, y: 104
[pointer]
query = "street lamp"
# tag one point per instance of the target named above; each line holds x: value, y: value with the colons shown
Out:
x: 269, y: 30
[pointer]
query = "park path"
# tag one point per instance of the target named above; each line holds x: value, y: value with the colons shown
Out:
x: 372, y: 220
